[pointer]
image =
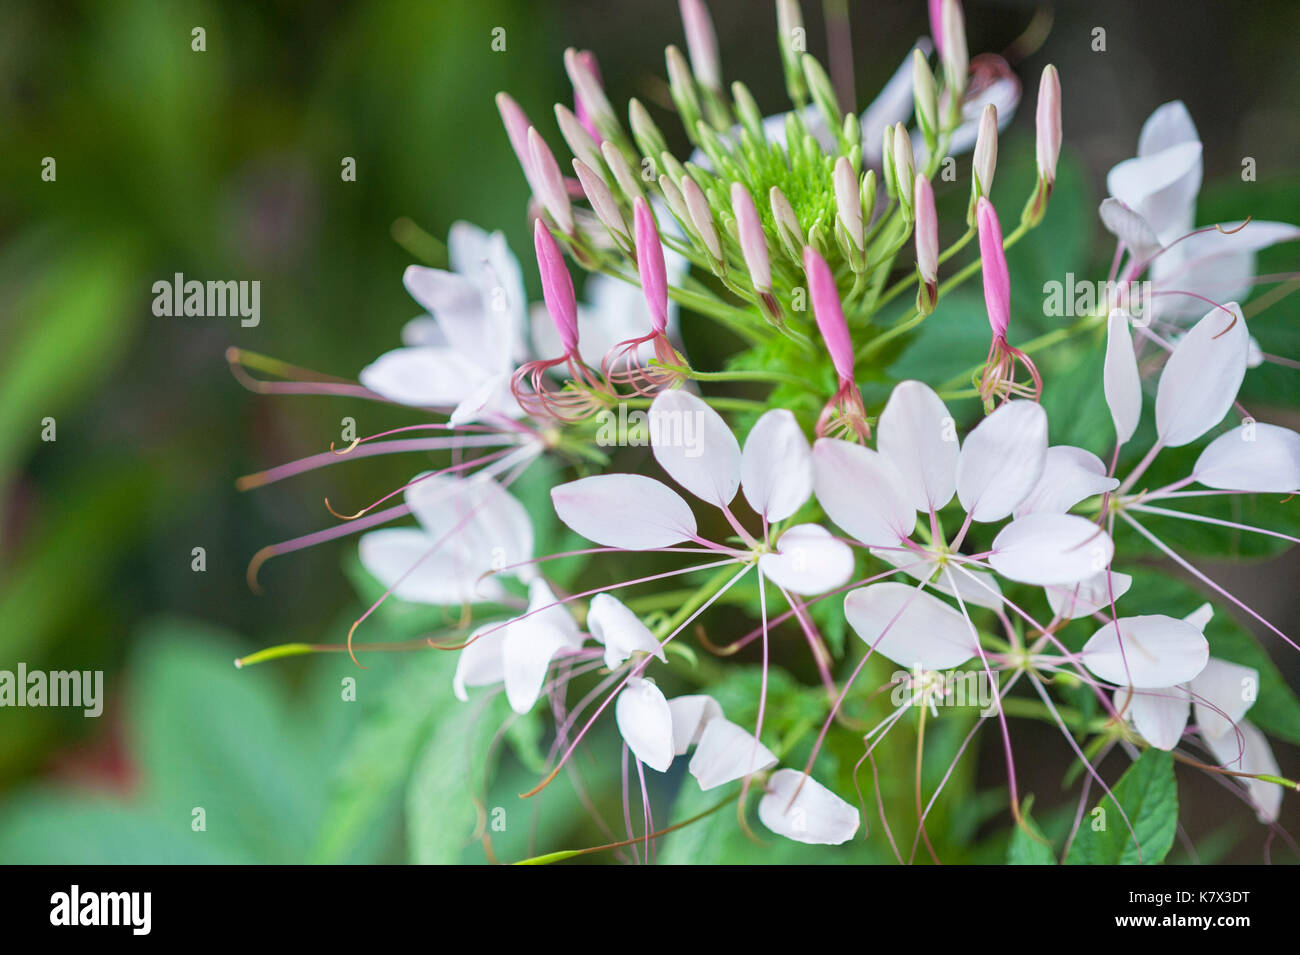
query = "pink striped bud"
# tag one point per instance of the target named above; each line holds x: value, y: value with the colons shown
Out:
x: 587, y: 89
x: 552, y: 192
x: 601, y: 199
x: 578, y: 139
x: 587, y: 60
x: 828, y: 312
x: 701, y: 43
x: 753, y: 245
x: 927, y: 233
x: 1048, y: 145
x: 650, y: 265
x: 997, y: 281
x: 516, y: 123
x: 557, y: 287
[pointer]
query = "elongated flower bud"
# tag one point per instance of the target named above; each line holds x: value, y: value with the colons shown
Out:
x: 936, y: 24
x: 557, y: 287
x: 554, y: 195
x: 602, y: 201
x: 927, y: 103
x: 753, y: 245
x: 701, y: 43
x: 787, y: 223
x: 956, y: 60
x: 985, y: 161
x: 927, y: 245
x: 589, y: 92
x: 904, y: 168
x: 517, y: 125
x: 588, y: 61
x: 792, y: 40
x: 1048, y: 144
x: 848, y: 201
x: 650, y: 265
x: 887, y: 161
x: 578, y: 139
x: 673, y: 197
x: 829, y: 312
x: 697, y: 204
x: 623, y: 175
x: 682, y: 87
x: 993, y: 260
x: 648, y: 138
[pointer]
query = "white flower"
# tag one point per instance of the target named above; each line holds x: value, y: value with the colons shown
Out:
x: 816, y: 816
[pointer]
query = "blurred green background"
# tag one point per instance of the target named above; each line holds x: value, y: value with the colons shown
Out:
x: 226, y: 164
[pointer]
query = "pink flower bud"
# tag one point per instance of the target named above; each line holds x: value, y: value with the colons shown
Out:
x: 986, y: 151
x: 753, y: 245
x: 697, y: 204
x: 828, y: 312
x: 936, y: 24
x: 927, y: 231
x: 587, y: 60
x: 1048, y: 146
x: 956, y: 59
x: 557, y: 287
x: 650, y: 265
x: 997, y: 282
x: 701, y: 43
x: 587, y: 88
x: 601, y: 199
x: 848, y: 201
x: 552, y: 192
x: 516, y: 123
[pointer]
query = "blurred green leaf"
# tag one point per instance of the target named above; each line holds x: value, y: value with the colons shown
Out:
x: 1149, y: 797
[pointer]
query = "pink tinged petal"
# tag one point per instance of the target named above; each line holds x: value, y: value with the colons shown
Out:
x: 976, y: 587
x: 416, y: 568
x: 829, y: 312
x: 927, y: 230
x: 691, y: 714
x: 620, y: 631
x: 917, y: 434
x: 554, y: 194
x: 1200, y: 381
x: 1002, y: 460
x: 532, y: 642
x: 1048, y: 549
x: 424, y: 377
x: 997, y: 281
x: 650, y: 265
x: 1222, y: 693
x: 1129, y: 227
x: 1161, y: 187
x: 1250, y: 753
x: 701, y: 43
x: 557, y: 286
x: 695, y: 446
x: 808, y: 560
x: 480, y: 663
x: 1252, y: 457
x: 1089, y: 595
x: 1121, y: 380
x: 753, y: 245
x: 1070, y: 475
x: 919, y: 630
x: 776, y: 466
x: 1048, y: 127
x: 862, y: 492
x: 646, y: 723
x: 816, y: 816
x: 1160, y: 651
x: 1160, y: 716
x: 727, y: 752
x: 627, y: 511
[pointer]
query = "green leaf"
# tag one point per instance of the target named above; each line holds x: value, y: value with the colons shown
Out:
x: 1025, y: 849
x: 1149, y: 797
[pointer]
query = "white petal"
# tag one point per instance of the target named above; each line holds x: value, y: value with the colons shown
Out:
x: 694, y: 445
x: 727, y: 752
x: 1070, y: 475
x: 1200, y: 381
x: 620, y: 630
x: 646, y: 723
x: 1252, y: 457
x: 1223, y: 692
x: 1201, y: 616
x: 916, y: 433
x: 816, y: 816
x: 691, y: 714
x: 808, y: 560
x: 1089, y: 595
x: 1121, y: 381
x: 480, y: 663
x: 1219, y: 265
x: 1159, y: 715
x: 1048, y: 549
x: 862, y: 492
x: 1168, y: 125
x: 1250, y: 753
x: 424, y: 377
x: 531, y: 642
x: 1129, y: 227
x: 976, y: 587
x: 474, y: 324
x: 1161, y: 187
x: 1002, y: 460
x: 624, y: 510
x: 1159, y: 651
x: 776, y: 466
x: 416, y: 568
x: 474, y: 516
x: 909, y: 626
